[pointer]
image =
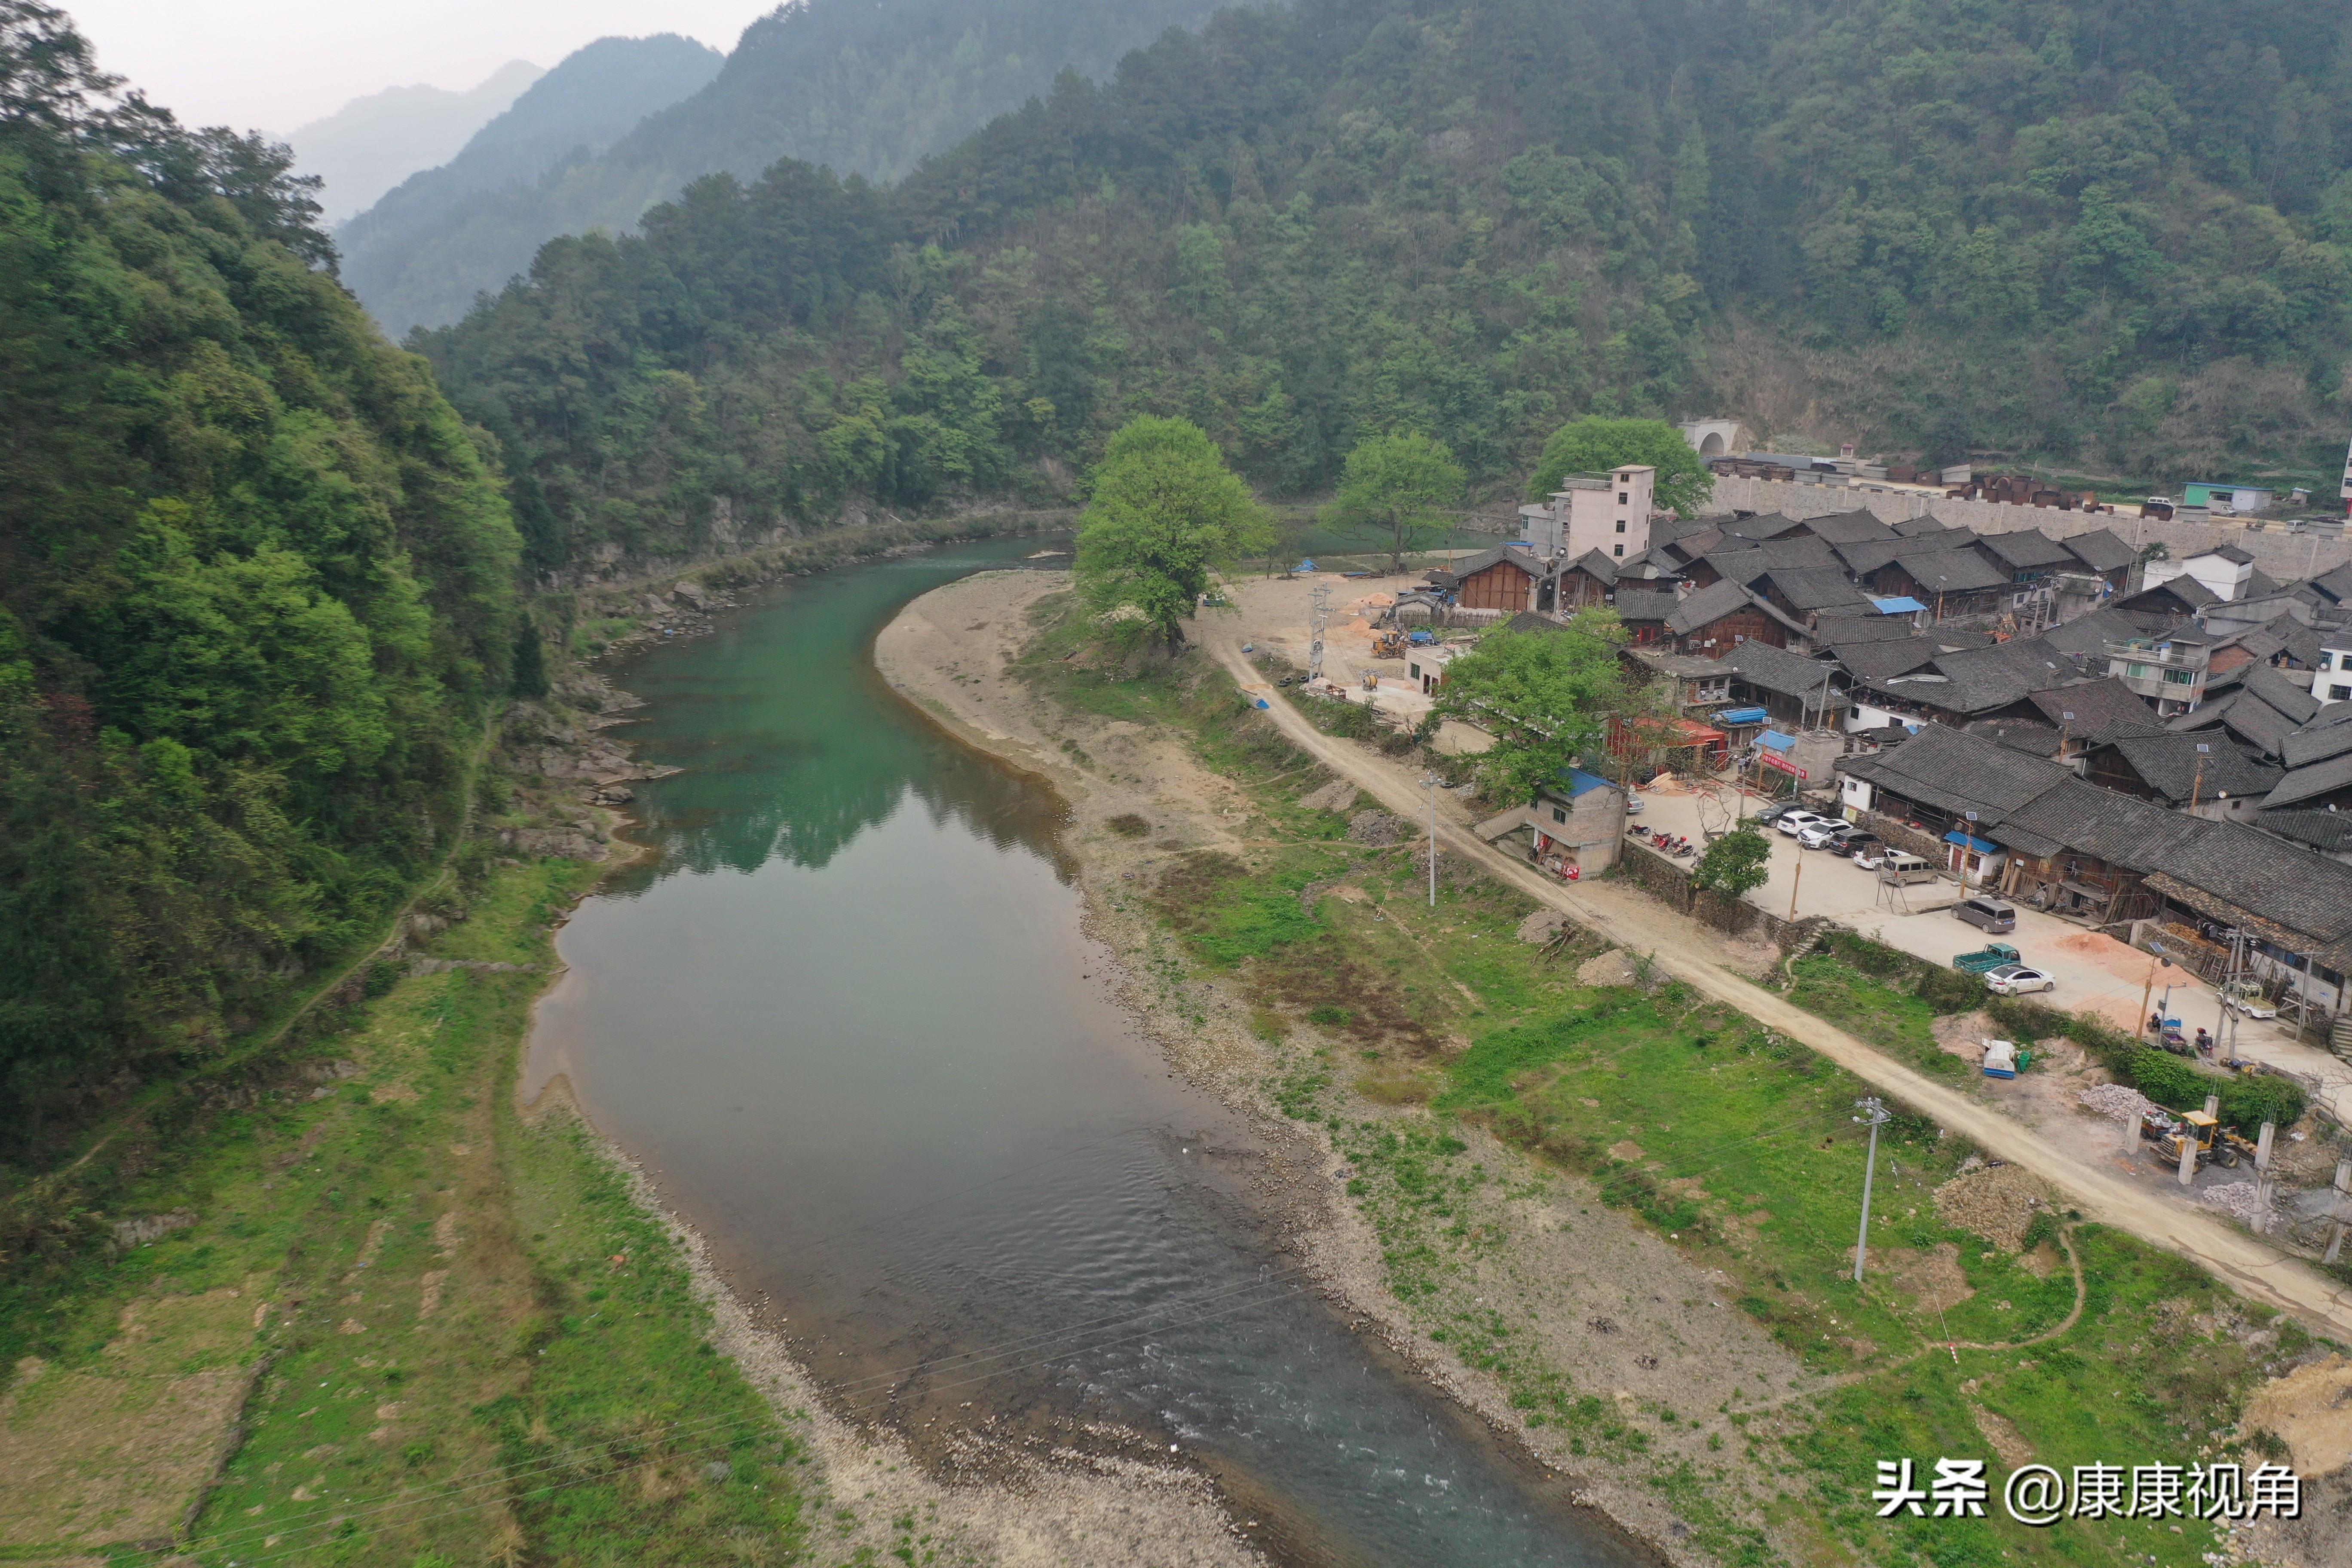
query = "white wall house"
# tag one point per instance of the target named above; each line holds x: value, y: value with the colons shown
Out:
x: 2226, y: 570
x: 2332, y: 681
x: 1609, y: 512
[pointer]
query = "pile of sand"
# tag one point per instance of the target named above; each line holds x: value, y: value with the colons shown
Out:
x: 1997, y: 1203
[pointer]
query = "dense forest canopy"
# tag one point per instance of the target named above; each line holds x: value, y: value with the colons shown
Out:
x: 257, y: 583
x: 863, y: 87
x: 2110, y: 230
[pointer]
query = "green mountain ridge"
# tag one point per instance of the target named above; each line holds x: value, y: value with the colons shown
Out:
x: 445, y: 234
x: 2115, y: 231
x: 865, y: 87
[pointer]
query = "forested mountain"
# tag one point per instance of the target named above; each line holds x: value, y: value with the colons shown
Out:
x: 257, y: 586
x: 2114, y: 229
x: 864, y: 86
x: 371, y: 143
x: 447, y: 234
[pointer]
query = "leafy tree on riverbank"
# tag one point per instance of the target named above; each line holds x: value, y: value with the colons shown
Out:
x: 1402, y: 485
x: 1166, y: 514
x: 1548, y: 698
x: 1593, y: 445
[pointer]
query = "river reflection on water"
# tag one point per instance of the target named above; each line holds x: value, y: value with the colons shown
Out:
x: 847, y: 1019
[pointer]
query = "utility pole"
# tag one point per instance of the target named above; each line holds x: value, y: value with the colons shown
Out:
x: 1317, y: 616
x: 1874, y: 1115
x: 2156, y: 948
x: 2343, y: 1188
x: 2196, y: 780
x: 1794, y: 883
x: 1431, y: 780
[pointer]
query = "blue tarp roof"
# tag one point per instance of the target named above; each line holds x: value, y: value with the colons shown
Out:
x: 1898, y: 606
x: 1978, y: 845
x: 1775, y: 741
x: 1742, y: 716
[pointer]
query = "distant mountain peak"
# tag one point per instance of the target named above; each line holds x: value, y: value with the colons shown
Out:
x: 372, y: 143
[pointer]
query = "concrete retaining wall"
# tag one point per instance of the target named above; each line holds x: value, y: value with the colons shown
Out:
x: 1664, y: 880
x: 2288, y: 557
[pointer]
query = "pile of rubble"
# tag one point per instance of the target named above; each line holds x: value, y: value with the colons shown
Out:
x: 1375, y: 827
x: 2240, y: 1200
x: 2115, y: 1101
x: 1999, y: 1203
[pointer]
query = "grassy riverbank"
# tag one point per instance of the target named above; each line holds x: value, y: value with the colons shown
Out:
x: 1410, y: 1034
x: 391, y: 1319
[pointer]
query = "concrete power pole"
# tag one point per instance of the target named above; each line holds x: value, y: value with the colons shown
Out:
x: 1874, y: 1115
x: 1430, y: 779
x: 1317, y: 617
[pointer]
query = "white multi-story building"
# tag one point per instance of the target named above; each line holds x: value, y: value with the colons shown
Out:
x: 1609, y: 512
x: 2332, y: 681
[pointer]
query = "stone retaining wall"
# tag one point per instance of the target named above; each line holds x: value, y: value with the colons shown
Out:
x: 1663, y: 879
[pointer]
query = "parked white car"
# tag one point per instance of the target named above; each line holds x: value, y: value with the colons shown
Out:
x: 1795, y: 821
x: 1823, y: 834
x: 1633, y: 804
x: 2245, y: 999
x: 2016, y: 980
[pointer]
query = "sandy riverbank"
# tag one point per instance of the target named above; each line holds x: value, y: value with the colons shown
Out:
x: 948, y: 652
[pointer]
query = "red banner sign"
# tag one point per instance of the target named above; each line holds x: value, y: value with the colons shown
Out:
x: 1775, y: 761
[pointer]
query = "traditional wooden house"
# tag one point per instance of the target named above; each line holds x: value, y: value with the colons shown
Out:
x: 1505, y: 578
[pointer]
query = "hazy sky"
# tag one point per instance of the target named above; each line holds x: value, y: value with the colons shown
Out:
x: 272, y: 65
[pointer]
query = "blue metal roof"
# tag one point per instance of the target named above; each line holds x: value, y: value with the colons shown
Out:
x: 1579, y: 782
x: 1898, y: 606
x: 1978, y: 845
x: 1742, y: 716
x: 1775, y: 741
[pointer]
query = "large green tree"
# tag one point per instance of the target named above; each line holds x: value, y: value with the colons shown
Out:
x: 1403, y: 485
x: 1548, y: 698
x: 1594, y: 444
x: 1166, y: 514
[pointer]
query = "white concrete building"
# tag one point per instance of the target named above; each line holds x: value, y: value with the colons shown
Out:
x: 2225, y: 568
x: 2332, y: 681
x: 1609, y: 512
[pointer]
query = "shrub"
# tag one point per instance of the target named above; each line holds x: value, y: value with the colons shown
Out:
x: 2168, y: 1080
x: 1949, y: 990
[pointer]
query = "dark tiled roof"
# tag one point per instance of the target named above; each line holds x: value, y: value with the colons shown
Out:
x: 1685, y: 548
x: 1760, y: 525
x: 1643, y: 604
x: 1978, y: 680
x: 2336, y: 586
x: 1954, y: 771
x: 2186, y: 591
x: 2229, y: 552
x: 2284, y: 692
x: 1921, y: 527
x: 1666, y: 530
x: 1815, y: 590
x: 2030, y: 736
x: 1594, y: 565
x: 2091, y: 634
x: 1951, y: 571
x: 2121, y: 829
x: 1709, y: 605
x: 1778, y: 669
x: 2171, y: 765
x: 1882, y: 661
x: 2100, y: 549
x: 2242, y: 715
x: 2265, y: 883
x: 1870, y: 627
x: 2329, y: 735
x: 2100, y: 709
x: 1529, y: 621
x: 2026, y: 547
x: 2330, y: 832
x: 1524, y: 560
x: 1745, y: 561
x: 2259, y: 583
x: 2311, y: 781
x: 1850, y: 527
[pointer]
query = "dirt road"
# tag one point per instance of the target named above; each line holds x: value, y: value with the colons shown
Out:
x: 1687, y: 950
